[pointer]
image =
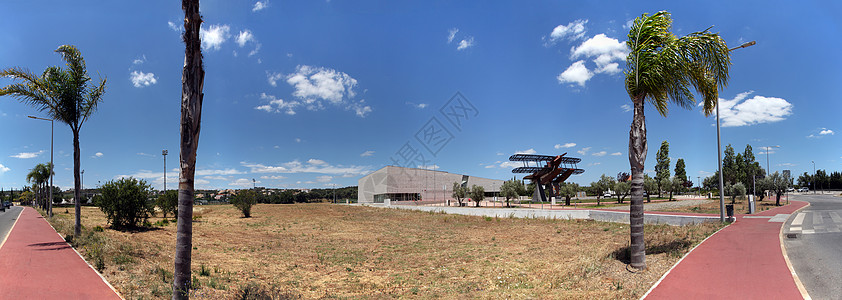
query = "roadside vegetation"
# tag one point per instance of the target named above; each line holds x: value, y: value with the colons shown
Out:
x: 338, y: 251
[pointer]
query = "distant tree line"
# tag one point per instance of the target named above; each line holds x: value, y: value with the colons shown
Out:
x: 822, y: 180
x: 314, y: 195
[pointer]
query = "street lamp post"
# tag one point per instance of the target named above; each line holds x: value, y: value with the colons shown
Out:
x: 814, y: 176
x: 83, y: 183
x: 164, y: 153
x: 50, y: 205
x: 719, y: 148
x: 768, y: 170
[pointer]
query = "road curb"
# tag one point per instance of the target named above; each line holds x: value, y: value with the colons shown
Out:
x: 680, y: 260
x: 801, y: 289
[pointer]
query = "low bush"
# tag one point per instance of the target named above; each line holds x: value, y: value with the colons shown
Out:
x: 125, y: 203
x: 244, y: 200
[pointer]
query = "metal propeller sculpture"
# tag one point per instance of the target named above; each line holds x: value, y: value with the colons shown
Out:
x: 547, y: 173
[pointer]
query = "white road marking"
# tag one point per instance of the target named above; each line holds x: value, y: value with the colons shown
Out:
x: 808, y: 231
x: 795, y: 228
x: 836, y: 218
x: 798, y: 219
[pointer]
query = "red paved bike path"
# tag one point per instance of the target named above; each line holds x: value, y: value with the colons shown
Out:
x: 742, y: 261
x: 36, y: 263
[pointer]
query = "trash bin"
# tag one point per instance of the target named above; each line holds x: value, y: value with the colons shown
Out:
x: 729, y: 210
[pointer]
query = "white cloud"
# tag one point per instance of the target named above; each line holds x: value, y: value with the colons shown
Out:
x: 140, y: 79
x: 260, y: 5
x: 298, y: 140
x: 244, y: 37
x: 600, y: 153
x: 573, y: 31
x: 451, y: 34
x: 174, y: 26
x: 786, y: 165
x: 576, y: 73
x: 139, y: 60
x: 626, y: 107
x: 527, y: 151
x: 273, y: 177
x: 567, y: 145
x: 216, y: 178
x: 418, y: 106
x: 367, y: 153
x: 273, y: 78
x: 324, y: 178
x: 584, y: 150
x: 297, y: 167
x: 98, y: 155
x: 315, y: 86
x: 606, y: 50
x: 628, y: 24
x: 209, y: 172
x: 466, y: 43
x: 3, y: 169
x: 214, y: 36
x: 26, y: 155
x: 510, y: 164
x: 757, y: 110
x: 277, y: 105
x: 616, y: 154
x: 317, y: 162
x: 244, y: 182
x: 767, y: 150
x: 826, y: 132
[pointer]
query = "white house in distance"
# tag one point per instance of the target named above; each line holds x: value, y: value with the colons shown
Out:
x: 411, y: 184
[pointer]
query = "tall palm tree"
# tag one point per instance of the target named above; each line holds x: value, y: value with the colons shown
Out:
x: 661, y: 68
x: 36, y: 177
x: 67, y: 95
x: 192, y: 80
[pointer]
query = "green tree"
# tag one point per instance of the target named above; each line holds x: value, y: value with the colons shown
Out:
x: 650, y: 186
x: 477, y: 194
x: 776, y: 183
x: 662, y: 167
x: 680, y: 171
x: 124, y: 202
x: 568, y: 190
x: 660, y: 68
x: 66, y: 95
x: 39, y: 176
x: 459, y: 192
x: 509, y: 190
x: 736, y: 190
x: 729, y: 165
x: 168, y: 202
x: 604, y: 184
x: 192, y: 83
x: 244, y: 200
x: 622, y: 188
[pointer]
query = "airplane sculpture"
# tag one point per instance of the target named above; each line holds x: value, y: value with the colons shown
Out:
x: 547, y: 173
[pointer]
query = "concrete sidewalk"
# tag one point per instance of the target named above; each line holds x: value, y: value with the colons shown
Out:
x: 36, y: 263
x: 742, y: 261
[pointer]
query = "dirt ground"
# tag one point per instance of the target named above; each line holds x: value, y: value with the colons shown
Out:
x: 337, y: 251
x: 740, y: 206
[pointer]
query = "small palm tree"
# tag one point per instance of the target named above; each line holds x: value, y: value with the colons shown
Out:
x: 39, y: 175
x: 66, y: 95
x: 661, y: 68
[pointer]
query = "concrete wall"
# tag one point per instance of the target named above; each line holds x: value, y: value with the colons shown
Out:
x: 596, y: 215
x: 431, y: 184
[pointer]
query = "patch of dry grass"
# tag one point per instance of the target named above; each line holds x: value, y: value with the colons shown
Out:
x: 339, y: 251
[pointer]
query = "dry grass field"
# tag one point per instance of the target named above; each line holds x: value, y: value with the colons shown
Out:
x: 337, y: 251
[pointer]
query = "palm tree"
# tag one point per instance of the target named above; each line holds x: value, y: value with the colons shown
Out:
x: 35, y: 176
x: 192, y: 79
x: 66, y: 95
x: 660, y: 68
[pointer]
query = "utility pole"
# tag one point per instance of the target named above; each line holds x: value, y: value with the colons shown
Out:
x: 164, y: 153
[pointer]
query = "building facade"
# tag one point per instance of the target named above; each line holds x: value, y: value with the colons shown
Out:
x: 411, y: 184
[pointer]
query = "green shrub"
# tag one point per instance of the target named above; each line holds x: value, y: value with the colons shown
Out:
x: 244, y: 200
x: 168, y: 202
x: 124, y: 202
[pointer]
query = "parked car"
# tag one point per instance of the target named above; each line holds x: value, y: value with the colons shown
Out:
x: 606, y: 194
x: 790, y: 190
x: 803, y: 190
x: 7, y: 204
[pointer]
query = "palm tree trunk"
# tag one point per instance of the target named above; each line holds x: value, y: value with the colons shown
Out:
x: 77, y: 185
x: 192, y: 78
x: 637, y: 157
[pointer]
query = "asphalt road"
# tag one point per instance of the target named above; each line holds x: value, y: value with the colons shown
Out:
x: 7, y: 219
x: 815, y: 249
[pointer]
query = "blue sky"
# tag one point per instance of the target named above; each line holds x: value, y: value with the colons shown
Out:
x: 308, y: 94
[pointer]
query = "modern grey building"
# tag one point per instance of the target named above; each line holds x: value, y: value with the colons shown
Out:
x: 410, y: 184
